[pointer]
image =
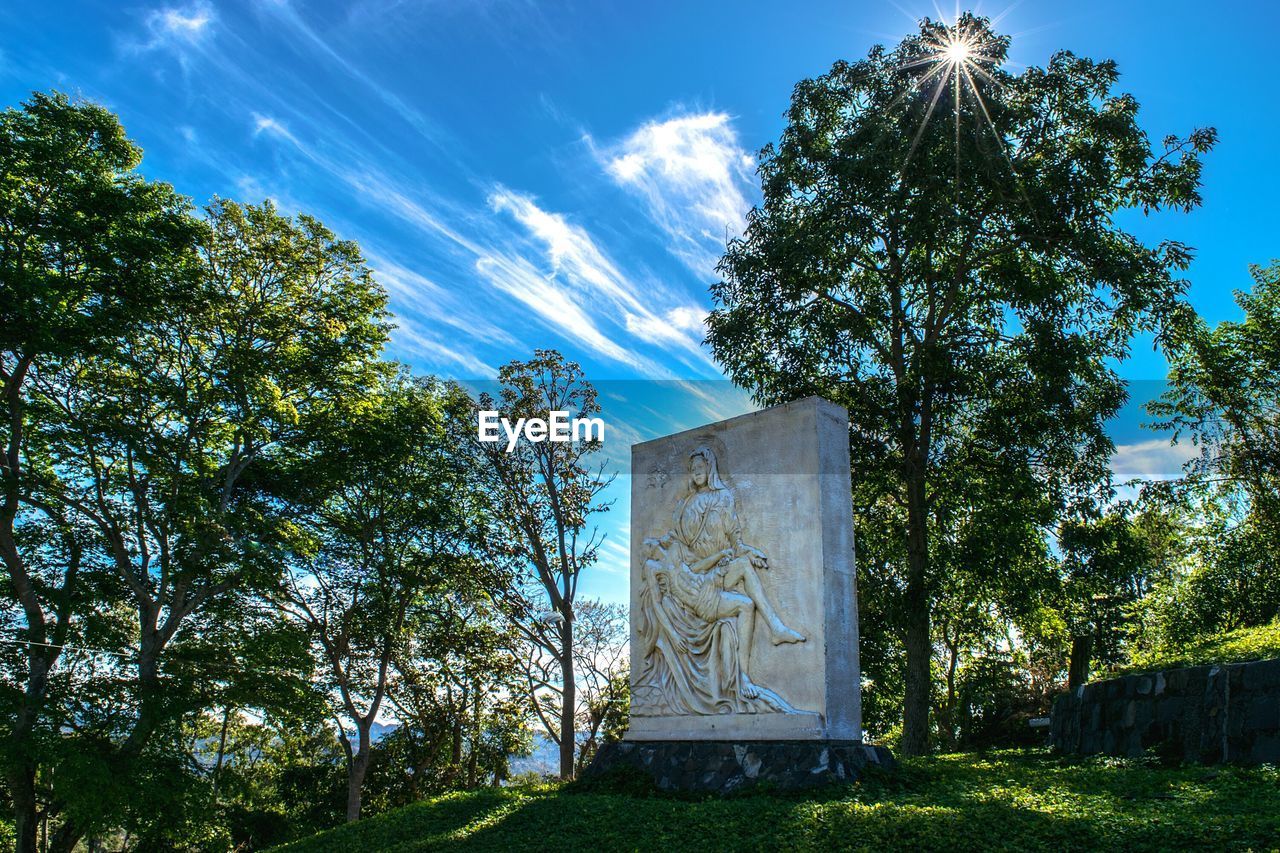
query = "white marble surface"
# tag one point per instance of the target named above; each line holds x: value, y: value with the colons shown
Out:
x: 744, y: 618
x: 735, y: 727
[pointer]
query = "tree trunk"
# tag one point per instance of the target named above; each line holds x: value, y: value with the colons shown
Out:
x: 222, y: 750
x: 915, y: 712
x: 1078, y: 670
x: 948, y: 723
x: 357, y: 769
x: 22, y: 788
x: 21, y: 773
x: 474, y: 757
x: 65, y: 839
x: 569, y: 699
x: 150, y: 711
x: 21, y: 776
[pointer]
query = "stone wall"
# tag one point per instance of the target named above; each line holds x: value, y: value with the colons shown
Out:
x: 726, y: 766
x: 1206, y: 714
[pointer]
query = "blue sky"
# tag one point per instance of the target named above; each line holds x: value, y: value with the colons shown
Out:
x: 563, y: 174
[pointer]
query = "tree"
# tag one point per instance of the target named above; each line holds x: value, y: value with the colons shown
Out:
x: 458, y: 695
x: 1224, y: 391
x: 280, y: 776
x: 936, y: 250
x: 88, y: 247
x: 1111, y: 561
x: 1224, y: 394
x: 392, y: 516
x: 602, y: 668
x: 601, y: 677
x: 543, y: 494
x: 154, y: 445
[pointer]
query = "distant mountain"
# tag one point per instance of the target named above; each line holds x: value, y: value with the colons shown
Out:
x: 545, y: 758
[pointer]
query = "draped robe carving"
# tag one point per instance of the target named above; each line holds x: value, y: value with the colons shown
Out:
x: 699, y: 606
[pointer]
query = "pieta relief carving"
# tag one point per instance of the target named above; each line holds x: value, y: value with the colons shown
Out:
x: 701, y: 605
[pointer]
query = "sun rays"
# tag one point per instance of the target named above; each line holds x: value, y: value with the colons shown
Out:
x: 954, y: 56
x: 962, y: 55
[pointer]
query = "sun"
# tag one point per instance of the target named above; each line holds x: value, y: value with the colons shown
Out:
x: 957, y: 51
x: 957, y: 48
x: 955, y: 55
x: 952, y: 49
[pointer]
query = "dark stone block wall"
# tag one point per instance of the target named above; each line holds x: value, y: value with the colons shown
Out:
x: 726, y: 766
x: 1207, y: 714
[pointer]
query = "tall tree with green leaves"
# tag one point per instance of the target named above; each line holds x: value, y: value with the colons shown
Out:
x: 391, y: 515
x: 937, y: 250
x: 88, y: 248
x: 543, y: 495
x: 458, y: 693
x: 156, y: 445
x: 1224, y: 395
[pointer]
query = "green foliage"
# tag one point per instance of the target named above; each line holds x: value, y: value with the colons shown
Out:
x: 1243, y: 644
x: 1224, y: 395
x: 937, y: 251
x: 89, y: 250
x: 997, y: 801
x: 198, y: 421
x: 387, y: 574
x: 543, y: 496
x: 1224, y: 392
x: 150, y: 457
x: 261, y: 782
x: 1232, y: 581
x: 87, y: 244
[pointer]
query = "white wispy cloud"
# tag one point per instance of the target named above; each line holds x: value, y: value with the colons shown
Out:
x: 581, y: 273
x: 413, y: 336
x: 682, y: 326
x: 1155, y: 459
x: 175, y: 27
x: 284, y: 12
x: 694, y: 178
x: 372, y: 185
x: 424, y: 297
x: 273, y: 127
x: 540, y: 258
x: 554, y: 297
x: 557, y: 308
x: 570, y: 249
x: 432, y: 320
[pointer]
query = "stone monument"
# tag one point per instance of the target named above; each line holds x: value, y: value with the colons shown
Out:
x: 744, y: 621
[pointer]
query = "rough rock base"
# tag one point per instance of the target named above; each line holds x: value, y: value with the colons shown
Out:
x: 725, y: 766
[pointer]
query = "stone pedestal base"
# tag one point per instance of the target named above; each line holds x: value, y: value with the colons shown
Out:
x: 725, y: 766
x: 729, y: 728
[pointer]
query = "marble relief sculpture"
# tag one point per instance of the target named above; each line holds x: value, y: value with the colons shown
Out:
x: 700, y: 604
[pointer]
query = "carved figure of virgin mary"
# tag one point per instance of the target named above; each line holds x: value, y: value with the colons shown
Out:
x: 699, y: 603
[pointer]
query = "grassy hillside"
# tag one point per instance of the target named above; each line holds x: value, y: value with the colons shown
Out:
x: 1007, y: 800
x: 1245, y: 644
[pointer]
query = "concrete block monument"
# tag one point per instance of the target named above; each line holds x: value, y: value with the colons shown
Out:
x: 744, y: 623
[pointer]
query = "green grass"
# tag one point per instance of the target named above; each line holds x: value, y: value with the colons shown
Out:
x: 1245, y: 644
x: 1009, y: 800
